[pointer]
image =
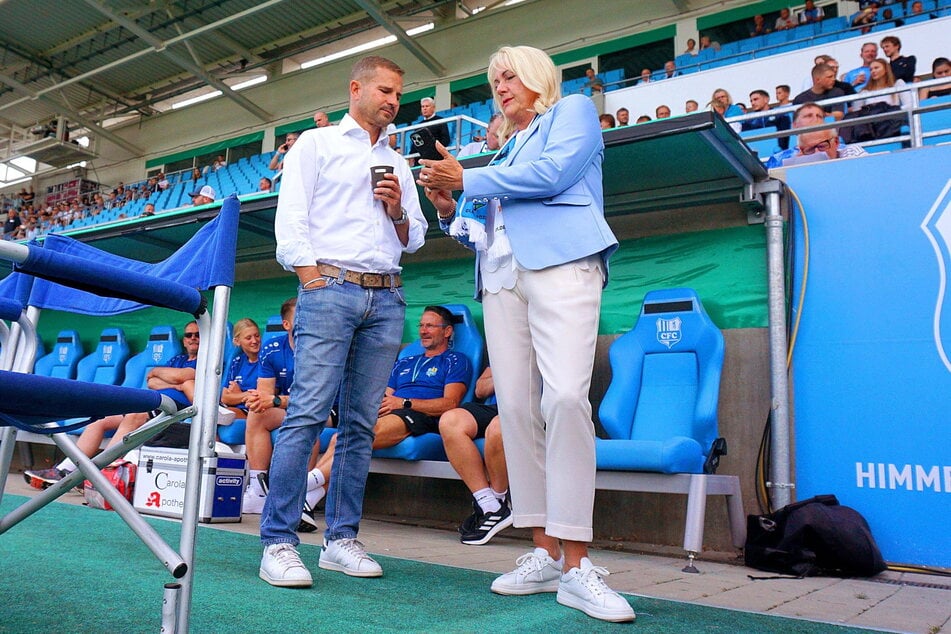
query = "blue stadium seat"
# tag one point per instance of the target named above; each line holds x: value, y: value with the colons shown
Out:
x: 764, y: 147
x: 273, y: 329
x: 660, y: 410
x: 64, y: 358
x: 105, y: 365
x: 163, y: 344
x: 934, y: 121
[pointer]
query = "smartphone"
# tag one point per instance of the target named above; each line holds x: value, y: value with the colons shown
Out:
x: 425, y: 143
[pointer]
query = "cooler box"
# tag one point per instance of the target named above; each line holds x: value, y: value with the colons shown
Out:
x: 160, y: 485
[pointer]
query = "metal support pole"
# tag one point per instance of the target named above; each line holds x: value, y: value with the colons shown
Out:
x: 780, y: 476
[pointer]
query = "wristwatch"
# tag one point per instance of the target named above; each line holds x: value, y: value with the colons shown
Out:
x: 407, y: 404
x: 277, y: 401
x: 402, y: 219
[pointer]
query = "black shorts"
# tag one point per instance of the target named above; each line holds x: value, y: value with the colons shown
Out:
x: 416, y: 422
x: 483, y: 415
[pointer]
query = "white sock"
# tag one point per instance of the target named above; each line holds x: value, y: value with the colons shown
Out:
x: 501, y: 496
x: 254, y: 486
x: 67, y: 465
x: 315, y: 480
x: 486, y: 500
x: 314, y: 496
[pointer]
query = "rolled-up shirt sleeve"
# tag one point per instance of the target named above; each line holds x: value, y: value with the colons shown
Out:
x: 291, y: 223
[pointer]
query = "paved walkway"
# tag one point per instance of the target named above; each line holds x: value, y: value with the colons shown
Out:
x: 901, y: 602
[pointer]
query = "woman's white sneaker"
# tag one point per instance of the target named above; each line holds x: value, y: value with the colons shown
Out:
x: 536, y: 572
x: 281, y: 566
x: 584, y: 589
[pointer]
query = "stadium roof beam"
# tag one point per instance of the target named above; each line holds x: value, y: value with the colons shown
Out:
x: 376, y: 12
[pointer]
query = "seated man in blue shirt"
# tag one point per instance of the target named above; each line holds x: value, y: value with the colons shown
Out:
x: 421, y: 387
x: 176, y: 379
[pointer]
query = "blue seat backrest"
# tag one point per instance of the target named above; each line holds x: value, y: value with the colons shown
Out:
x: 163, y: 344
x: 62, y: 361
x: 273, y: 329
x: 466, y: 339
x: 666, y: 372
x: 106, y: 364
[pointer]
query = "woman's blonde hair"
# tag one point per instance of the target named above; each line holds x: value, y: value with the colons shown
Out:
x: 885, y: 82
x: 535, y: 70
x: 241, y: 325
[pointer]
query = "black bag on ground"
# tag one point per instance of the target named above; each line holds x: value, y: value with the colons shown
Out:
x: 813, y: 537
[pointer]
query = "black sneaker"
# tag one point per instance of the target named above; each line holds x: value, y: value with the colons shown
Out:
x: 472, y: 521
x: 307, y: 524
x: 262, y: 479
x: 487, y: 526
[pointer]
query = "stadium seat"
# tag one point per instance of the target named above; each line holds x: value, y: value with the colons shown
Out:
x: 64, y: 358
x: 163, y: 344
x: 660, y: 410
x: 106, y: 364
x: 764, y: 147
x: 935, y: 121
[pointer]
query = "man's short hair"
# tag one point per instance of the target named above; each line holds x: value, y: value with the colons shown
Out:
x: 369, y: 64
x: 622, y: 109
x: 819, y: 70
x: 287, y: 307
x: 784, y: 87
x: 760, y: 92
x: 806, y: 106
x: 443, y: 312
x: 891, y: 39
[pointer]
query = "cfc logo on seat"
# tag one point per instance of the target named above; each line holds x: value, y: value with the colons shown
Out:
x: 668, y: 331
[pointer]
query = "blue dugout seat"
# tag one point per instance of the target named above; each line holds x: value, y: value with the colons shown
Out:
x: 163, y: 344
x: 660, y: 410
x: 106, y: 364
x: 64, y: 358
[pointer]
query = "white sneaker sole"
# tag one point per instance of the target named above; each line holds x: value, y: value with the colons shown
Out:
x: 536, y: 587
x: 332, y: 565
x: 286, y: 583
x: 615, y: 616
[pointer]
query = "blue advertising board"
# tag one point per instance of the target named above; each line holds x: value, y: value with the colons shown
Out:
x: 871, y: 374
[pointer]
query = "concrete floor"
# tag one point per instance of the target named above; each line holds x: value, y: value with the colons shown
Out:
x: 892, y: 601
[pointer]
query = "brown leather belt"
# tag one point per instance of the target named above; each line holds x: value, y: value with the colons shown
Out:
x: 366, y: 280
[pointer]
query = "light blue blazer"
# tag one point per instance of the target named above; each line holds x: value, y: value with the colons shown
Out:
x: 550, y: 189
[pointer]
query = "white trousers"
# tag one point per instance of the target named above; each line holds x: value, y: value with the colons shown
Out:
x: 541, y: 338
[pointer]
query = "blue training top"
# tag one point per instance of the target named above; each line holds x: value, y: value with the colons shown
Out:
x: 178, y: 361
x: 244, y: 373
x: 426, y: 377
x: 277, y: 362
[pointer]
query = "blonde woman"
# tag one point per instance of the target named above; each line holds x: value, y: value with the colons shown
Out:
x: 244, y: 368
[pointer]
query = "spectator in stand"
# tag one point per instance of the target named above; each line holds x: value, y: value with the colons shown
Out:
x: 722, y: 104
x: 148, y: 210
x: 759, y: 102
x: 691, y: 106
x: 882, y: 78
x: 706, y: 43
x: 670, y: 69
x: 826, y: 142
x: 265, y: 184
x: 858, y: 77
x: 12, y: 223
x: 662, y: 112
x: 811, y: 13
x: 807, y: 115
x: 623, y: 116
x: 595, y: 82
x: 203, y: 196
x: 643, y: 119
x: 918, y: 7
x: 691, y: 47
x: 427, y: 106
x: 219, y: 162
x: 782, y: 96
x: 487, y: 479
x: 844, y: 86
x: 759, y: 26
x: 176, y: 380
x: 784, y: 21
x: 645, y: 76
x: 162, y: 181
x: 823, y: 87
x: 321, y: 120
x: 888, y: 19
x: 903, y: 67
x: 491, y: 142
x: 196, y: 173
x: 607, y: 121
x: 277, y: 161
x: 940, y: 67
x: 865, y: 19
x: 244, y: 368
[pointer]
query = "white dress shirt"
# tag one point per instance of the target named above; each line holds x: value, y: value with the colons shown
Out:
x: 326, y: 211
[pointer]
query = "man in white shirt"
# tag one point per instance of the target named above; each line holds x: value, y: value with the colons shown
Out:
x: 343, y: 237
x: 491, y: 142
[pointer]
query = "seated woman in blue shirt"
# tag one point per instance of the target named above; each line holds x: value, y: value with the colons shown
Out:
x: 244, y: 368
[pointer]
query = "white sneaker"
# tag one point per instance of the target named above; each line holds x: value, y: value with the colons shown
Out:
x: 536, y: 572
x: 349, y: 557
x: 281, y: 566
x: 584, y: 589
x: 225, y: 415
x: 252, y: 503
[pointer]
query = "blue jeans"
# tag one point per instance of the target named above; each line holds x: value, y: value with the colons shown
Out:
x: 346, y: 338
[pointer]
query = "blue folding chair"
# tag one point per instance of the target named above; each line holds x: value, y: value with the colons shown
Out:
x: 73, y: 276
